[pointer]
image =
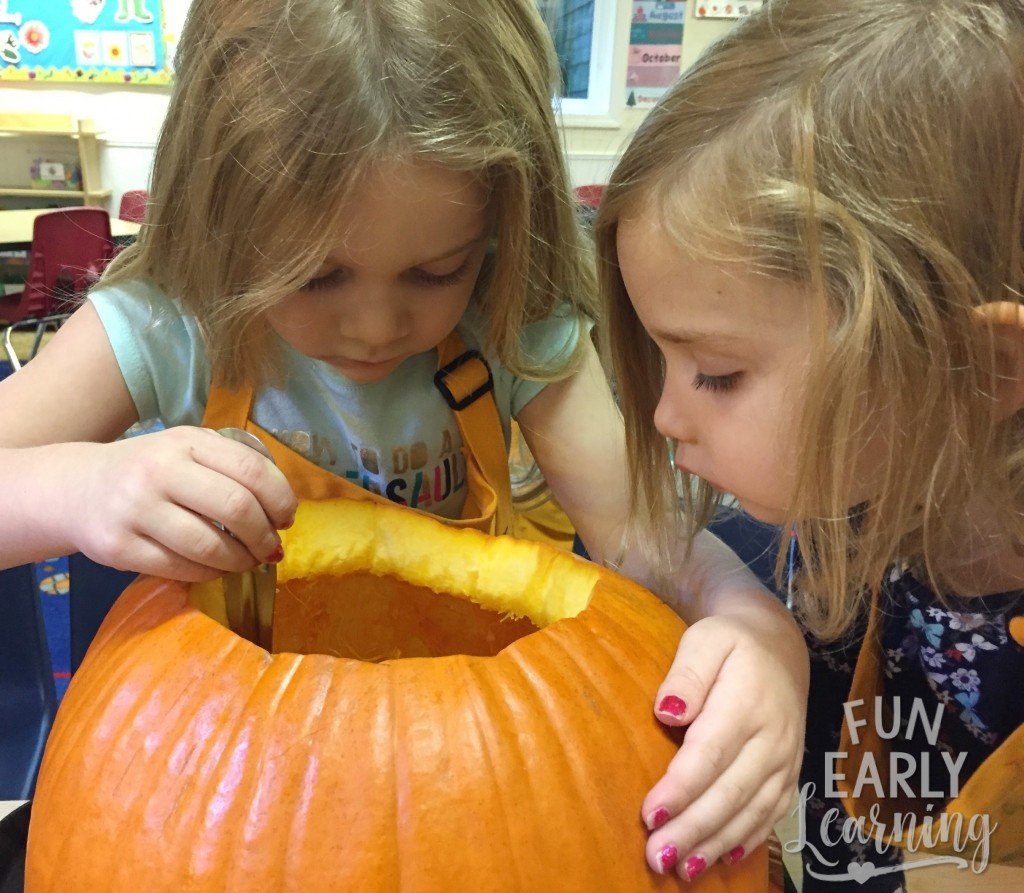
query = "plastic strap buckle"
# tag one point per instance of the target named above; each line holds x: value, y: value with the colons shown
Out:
x: 442, y: 375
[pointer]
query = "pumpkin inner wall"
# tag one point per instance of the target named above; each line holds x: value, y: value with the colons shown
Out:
x: 373, y: 618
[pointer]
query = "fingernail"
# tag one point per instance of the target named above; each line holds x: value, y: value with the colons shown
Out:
x: 289, y: 524
x: 667, y: 857
x: 734, y: 855
x: 694, y: 866
x: 275, y: 556
x: 657, y: 818
x: 672, y: 706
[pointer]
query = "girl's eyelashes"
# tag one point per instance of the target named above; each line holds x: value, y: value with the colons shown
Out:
x: 440, y: 279
x: 716, y: 384
x: 416, y: 275
x: 328, y: 280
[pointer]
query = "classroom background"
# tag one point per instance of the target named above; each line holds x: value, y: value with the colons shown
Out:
x: 618, y: 55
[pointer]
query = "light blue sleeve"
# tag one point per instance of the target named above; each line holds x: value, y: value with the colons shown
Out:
x: 550, y: 341
x: 545, y: 341
x: 159, y: 351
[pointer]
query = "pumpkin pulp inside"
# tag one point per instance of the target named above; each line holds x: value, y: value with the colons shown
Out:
x: 369, y: 618
x: 403, y: 584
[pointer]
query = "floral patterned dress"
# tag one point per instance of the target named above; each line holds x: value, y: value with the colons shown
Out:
x: 959, y: 655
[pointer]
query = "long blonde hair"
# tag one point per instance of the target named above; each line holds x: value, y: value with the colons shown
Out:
x: 870, y: 151
x: 280, y: 110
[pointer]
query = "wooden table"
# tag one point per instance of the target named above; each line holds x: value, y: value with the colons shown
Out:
x: 16, y: 228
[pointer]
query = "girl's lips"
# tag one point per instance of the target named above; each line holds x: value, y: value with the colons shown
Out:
x: 348, y: 363
x: 686, y: 470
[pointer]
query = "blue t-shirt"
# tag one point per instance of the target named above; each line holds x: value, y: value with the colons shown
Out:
x: 396, y: 437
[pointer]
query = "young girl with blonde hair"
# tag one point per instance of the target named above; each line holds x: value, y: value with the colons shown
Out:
x: 361, y: 247
x: 813, y: 261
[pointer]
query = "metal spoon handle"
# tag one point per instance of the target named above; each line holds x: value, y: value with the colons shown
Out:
x: 249, y: 596
x: 240, y: 435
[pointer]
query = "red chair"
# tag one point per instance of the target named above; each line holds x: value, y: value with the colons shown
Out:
x: 133, y: 205
x: 590, y: 194
x: 70, y: 248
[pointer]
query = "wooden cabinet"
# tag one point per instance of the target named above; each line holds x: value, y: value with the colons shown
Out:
x: 83, y: 142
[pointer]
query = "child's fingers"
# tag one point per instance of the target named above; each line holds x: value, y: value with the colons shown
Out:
x: 197, y: 496
x: 175, y: 486
x: 698, y: 659
x: 245, y: 466
x: 732, y: 816
x: 199, y: 543
x: 152, y: 557
x: 679, y: 702
x: 696, y: 767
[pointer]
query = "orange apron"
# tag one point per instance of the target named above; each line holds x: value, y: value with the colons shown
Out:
x: 994, y: 790
x: 465, y: 380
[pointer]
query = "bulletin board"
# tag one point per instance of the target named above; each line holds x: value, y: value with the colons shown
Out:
x: 655, y: 50
x: 84, y: 41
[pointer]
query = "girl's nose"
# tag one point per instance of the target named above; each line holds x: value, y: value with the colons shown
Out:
x: 671, y: 417
x: 381, y: 321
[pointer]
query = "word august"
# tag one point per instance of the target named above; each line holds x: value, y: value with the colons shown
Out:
x: 903, y: 767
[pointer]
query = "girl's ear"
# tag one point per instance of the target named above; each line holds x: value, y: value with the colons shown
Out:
x: 1005, y: 321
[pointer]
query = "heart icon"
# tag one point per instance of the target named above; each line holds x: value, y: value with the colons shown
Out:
x: 861, y: 872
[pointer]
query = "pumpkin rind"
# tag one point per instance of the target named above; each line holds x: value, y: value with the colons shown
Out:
x: 185, y: 758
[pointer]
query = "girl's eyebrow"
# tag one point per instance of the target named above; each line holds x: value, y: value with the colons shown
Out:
x: 682, y: 336
x: 333, y: 262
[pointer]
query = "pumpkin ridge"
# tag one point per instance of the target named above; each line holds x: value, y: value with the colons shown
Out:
x: 629, y: 729
x: 399, y: 778
x: 272, y: 776
x: 162, y: 817
x: 226, y: 794
x: 100, y: 703
x: 270, y: 725
x: 641, y: 652
x: 487, y: 684
x: 568, y: 673
x: 101, y: 761
x: 322, y: 677
x: 190, y: 751
x: 83, y: 740
x: 568, y: 726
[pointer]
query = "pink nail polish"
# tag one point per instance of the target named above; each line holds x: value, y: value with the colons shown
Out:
x: 734, y: 855
x: 657, y: 818
x: 275, y: 556
x: 667, y: 857
x: 672, y: 706
x: 694, y: 866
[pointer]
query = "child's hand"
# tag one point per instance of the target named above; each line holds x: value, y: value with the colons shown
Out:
x: 739, y: 682
x: 149, y: 503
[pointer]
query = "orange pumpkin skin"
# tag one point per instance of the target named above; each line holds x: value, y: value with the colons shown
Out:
x: 185, y: 758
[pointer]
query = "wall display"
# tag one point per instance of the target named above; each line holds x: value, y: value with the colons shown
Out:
x: 655, y: 50
x: 84, y: 41
x: 737, y: 9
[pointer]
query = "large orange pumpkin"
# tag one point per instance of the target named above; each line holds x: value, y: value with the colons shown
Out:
x: 513, y: 758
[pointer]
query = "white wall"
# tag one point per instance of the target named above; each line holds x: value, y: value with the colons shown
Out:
x: 129, y: 119
x: 130, y: 116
